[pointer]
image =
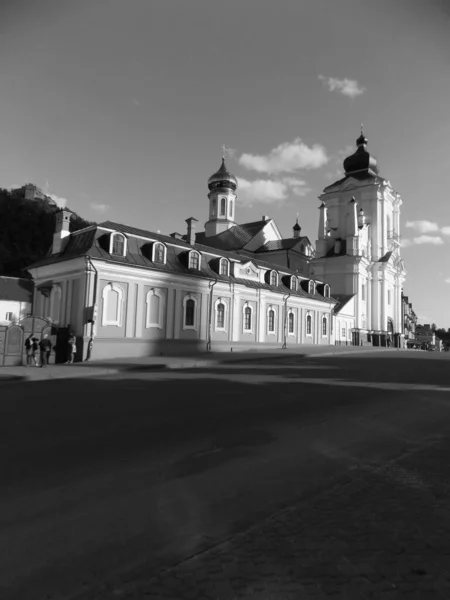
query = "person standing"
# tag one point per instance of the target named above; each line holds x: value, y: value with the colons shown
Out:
x: 29, y: 349
x: 71, y: 348
x: 35, y: 348
x: 45, y: 347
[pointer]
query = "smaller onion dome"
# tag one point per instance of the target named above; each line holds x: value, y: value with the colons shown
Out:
x: 296, y: 226
x: 222, y: 178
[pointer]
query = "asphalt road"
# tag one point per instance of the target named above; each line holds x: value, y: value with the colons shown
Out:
x: 245, y: 481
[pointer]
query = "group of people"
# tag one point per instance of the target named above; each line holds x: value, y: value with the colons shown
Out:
x: 44, y: 346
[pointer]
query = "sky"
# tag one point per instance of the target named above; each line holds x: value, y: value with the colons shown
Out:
x: 119, y: 109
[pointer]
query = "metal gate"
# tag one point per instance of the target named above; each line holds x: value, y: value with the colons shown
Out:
x: 13, y: 340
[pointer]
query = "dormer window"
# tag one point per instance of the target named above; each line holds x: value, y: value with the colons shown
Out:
x: 118, y: 244
x: 311, y: 287
x: 293, y: 283
x: 326, y: 291
x: 194, y: 260
x: 159, y: 253
x: 224, y: 267
x: 273, y: 278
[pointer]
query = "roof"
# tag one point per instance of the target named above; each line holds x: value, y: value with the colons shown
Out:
x: 342, y: 300
x: 284, y: 244
x: 234, y: 238
x: 16, y: 289
x: 91, y: 242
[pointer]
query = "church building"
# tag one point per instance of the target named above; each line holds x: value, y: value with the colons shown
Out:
x: 126, y: 291
x: 358, y: 249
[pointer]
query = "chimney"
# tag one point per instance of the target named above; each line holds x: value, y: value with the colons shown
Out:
x: 191, y: 230
x: 266, y: 218
x: 62, y: 233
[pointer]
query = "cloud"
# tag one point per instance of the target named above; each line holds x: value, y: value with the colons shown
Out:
x: 298, y: 186
x: 61, y: 202
x: 405, y: 243
x: 428, y: 239
x: 422, y: 226
x: 262, y: 191
x: 286, y: 158
x: 347, y: 87
x: 100, y: 208
x: 445, y: 230
x: 447, y: 280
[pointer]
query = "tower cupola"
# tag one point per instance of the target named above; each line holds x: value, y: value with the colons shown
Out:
x: 296, y: 229
x: 361, y: 164
x: 222, y: 198
x: 222, y: 178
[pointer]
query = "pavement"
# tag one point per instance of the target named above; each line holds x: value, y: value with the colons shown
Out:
x: 262, y: 479
x: 102, y: 368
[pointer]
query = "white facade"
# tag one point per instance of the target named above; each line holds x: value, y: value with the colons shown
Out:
x: 358, y: 249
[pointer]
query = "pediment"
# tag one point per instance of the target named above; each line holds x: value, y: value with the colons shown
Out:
x: 247, y: 270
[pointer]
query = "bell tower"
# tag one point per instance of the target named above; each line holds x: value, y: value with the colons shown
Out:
x: 222, y: 187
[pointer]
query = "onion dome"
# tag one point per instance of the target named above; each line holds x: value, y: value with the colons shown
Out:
x: 361, y: 163
x: 296, y: 226
x: 222, y: 178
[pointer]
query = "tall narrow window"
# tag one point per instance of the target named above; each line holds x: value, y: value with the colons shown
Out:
x: 223, y: 207
x: 291, y: 322
x: 55, y: 303
x: 363, y: 292
x: 324, y: 326
x: 247, y: 318
x: 190, y: 313
x: 154, y: 301
x: 118, y: 244
x: 220, y: 316
x: 159, y: 253
x: 389, y: 296
x: 311, y: 287
x: 194, y: 260
x: 273, y: 278
x: 112, y: 297
x: 293, y: 284
x: 271, y: 321
x: 308, y: 325
x: 223, y: 266
x: 230, y: 209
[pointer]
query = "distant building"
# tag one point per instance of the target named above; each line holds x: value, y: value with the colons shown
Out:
x: 409, y: 322
x: 33, y: 192
x: 426, y: 336
x: 16, y: 296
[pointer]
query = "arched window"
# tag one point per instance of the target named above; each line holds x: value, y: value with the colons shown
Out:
x: 273, y: 278
x: 270, y: 320
x: 326, y: 291
x: 248, y: 318
x: 324, y: 326
x: 194, y: 260
x: 294, y: 283
x: 311, y: 287
x: 159, y: 253
x: 220, y: 315
x: 224, y: 267
x: 230, y: 208
x: 223, y: 207
x: 155, y: 305
x: 291, y: 322
x: 112, y: 297
x: 190, y: 312
x: 118, y: 245
x: 55, y: 304
x: 308, y: 325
